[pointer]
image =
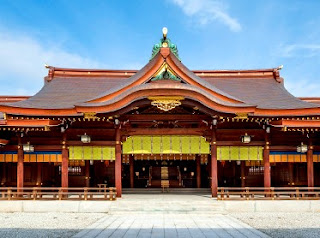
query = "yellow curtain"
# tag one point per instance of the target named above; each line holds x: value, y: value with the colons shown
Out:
x: 239, y: 153
x: 91, y: 153
x: 166, y: 145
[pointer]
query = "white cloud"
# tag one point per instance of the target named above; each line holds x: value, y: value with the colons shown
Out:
x: 22, y: 60
x: 301, y: 50
x: 302, y: 88
x: 206, y: 11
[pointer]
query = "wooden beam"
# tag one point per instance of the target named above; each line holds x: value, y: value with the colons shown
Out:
x: 198, y: 161
x: 20, y: 165
x: 92, y: 143
x: 131, y: 160
x: 39, y: 174
x: 297, y: 123
x: 118, y: 163
x: 166, y: 117
x: 243, y: 173
x: 65, y: 164
x: 32, y: 123
x: 214, y: 164
x: 87, y: 173
x: 266, y: 162
x: 310, y: 166
x: 166, y: 131
x: 239, y: 143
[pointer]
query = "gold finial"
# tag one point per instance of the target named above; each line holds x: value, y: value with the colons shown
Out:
x: 164, y: 32
x: 46, y: 66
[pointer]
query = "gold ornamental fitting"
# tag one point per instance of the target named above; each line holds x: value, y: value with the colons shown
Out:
x: 166, y: 103
x: 241, y: 115
x: 118, y: 142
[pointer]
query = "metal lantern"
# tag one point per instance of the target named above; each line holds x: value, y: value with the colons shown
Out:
x: 28, y: 148
x: 302, y: 148
x: 268, y: 129
x: 245, y: 138
x: 85, y: 138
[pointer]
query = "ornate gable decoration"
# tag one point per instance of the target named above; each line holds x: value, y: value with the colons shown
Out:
x: 165, y: 73
x: 165, y: 43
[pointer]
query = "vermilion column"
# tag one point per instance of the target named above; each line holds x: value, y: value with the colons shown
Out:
x: 118, y: 163
x: 266, y: 162
x: 198, y: 172
x: 131, y: 161
x: 310, y: 166
x: 243, y: 174
x: 290, y: 172
x: 87, y: 173
x: 214, y: 164
x: 20, y: 166
x: 39, y: 177
x: 64, y: 165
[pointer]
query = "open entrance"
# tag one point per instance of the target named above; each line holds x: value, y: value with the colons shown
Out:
x: 170, y: 161
x: 190, y: 172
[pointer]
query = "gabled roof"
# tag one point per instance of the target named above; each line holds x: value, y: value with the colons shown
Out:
x: 76, y: 91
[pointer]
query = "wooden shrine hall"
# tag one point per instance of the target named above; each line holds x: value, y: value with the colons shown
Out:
x: 162, y: 125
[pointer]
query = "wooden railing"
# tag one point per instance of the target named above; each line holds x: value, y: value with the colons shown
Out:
x: 273, y: 193
x: 58, y: 193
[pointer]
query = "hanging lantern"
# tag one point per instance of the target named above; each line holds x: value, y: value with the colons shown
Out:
x: 245, y: 138
x: 302, y: 148
x: 85, y: 138
x: 28, y: 148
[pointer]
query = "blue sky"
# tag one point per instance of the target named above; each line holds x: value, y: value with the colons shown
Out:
x: 210, y: 34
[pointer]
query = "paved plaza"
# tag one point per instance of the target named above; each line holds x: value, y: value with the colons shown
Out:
x: 169, y: 225
x: 163, y: 215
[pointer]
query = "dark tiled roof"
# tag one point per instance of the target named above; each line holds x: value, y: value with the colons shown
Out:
x: 66, y: 92
x: 264, y: 93
x: 63, y: 93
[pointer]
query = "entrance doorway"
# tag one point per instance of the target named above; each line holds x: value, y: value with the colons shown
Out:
x: 179, y: 173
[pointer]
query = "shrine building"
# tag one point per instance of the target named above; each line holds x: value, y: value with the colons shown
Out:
x: 162, y: 124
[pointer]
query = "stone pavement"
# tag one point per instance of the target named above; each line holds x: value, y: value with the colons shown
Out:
x: 169, y: 225
x: 167, y: 216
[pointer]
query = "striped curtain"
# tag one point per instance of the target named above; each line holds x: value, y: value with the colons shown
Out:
x: 253, y: 153
x: 91, y: 153
x: 166, y: 145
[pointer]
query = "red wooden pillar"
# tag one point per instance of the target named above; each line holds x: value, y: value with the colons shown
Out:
x: 87, y: 172
x: 290, y: 173
x: 39, y: 173
x: 243, y: 173
x: 4, y: 174
x: 20, y: 167
x: 214, y: 164
x: 266, y: 162
x: 131, y: 161
x: 65, y: 164
x: 118, y: 163
x: 310, y: 166
x: 198, y: 160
